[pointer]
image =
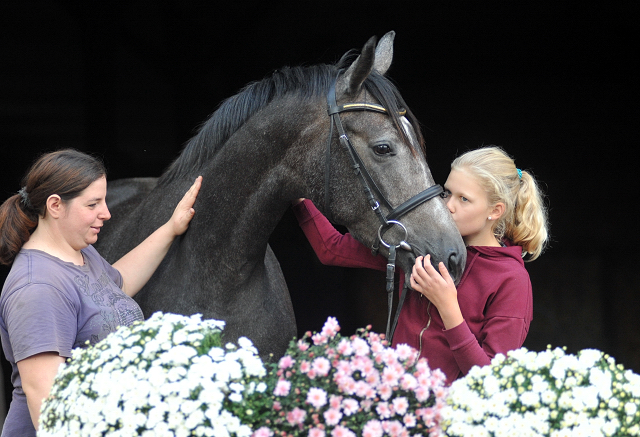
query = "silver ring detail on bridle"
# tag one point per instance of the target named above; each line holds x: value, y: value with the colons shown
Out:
x: 388, y: 226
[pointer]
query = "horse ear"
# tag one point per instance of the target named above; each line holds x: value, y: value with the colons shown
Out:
x: 371, y: 58
x: 384, y: 53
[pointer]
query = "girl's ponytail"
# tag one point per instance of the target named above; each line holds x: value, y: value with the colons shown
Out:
x: 529, y: 226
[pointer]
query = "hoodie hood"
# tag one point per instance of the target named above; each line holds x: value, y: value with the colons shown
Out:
x: 509, y: 250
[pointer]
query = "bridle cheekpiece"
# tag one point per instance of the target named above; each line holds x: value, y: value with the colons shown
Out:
x: 372, y: 192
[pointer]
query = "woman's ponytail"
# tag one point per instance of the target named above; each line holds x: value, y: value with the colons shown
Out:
x: 17, y: 222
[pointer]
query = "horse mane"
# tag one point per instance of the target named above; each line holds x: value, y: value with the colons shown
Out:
x: 309, y: 82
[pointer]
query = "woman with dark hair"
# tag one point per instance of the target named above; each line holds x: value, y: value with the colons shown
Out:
x: 60, y: 293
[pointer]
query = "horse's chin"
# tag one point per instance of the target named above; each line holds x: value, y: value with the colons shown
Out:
x: 406, y: 261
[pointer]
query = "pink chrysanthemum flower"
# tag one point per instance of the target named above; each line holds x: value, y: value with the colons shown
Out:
x: 400, y: 405
x: 321, y: 366
x: 296, y: 416
x: 372, y: 428
x: 262, y: 432
x: 331, y: 327
x: 383, y: 410
x: 317, y: 397
x: 341, y: 431
x: 360, y: 346
x: 409, y: 420
x: 282, y: 388
x: 286, y: 362
x: 316, y: 432
x: 332, y: 416
x: 350, y: 406
x: 344, y: 347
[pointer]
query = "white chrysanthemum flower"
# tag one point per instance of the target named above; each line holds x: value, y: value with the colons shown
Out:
x: 151, y: 380
x: 549, y: 393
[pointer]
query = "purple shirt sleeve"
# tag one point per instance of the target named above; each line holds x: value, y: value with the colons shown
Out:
x: 40, y: 319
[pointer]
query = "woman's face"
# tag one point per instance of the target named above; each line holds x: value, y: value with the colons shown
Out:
x: 470, y: 208
x: 84, y: 215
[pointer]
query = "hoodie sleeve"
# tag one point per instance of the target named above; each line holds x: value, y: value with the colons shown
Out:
x: 331, y: 247
x: 508, y: 315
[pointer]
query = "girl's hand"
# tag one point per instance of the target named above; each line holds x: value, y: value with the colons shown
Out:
x: 439, y: 288
x: 184, y: 212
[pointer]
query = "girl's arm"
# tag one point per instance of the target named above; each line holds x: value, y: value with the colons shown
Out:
x: 137, y: 266
x: 439, y: 288
x: 499, y: 334
x: 331, y: 247
x: 37, y: 373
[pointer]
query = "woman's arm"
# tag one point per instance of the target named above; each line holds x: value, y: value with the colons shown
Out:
x: 137, y: 266
x: 37, y: 373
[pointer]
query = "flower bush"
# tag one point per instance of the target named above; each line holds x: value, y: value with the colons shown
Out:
x: 548, y: 393
x: 170, y: 375
x: 329, y: 385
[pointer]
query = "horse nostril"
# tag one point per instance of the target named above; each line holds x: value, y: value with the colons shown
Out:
x: 454, y: 264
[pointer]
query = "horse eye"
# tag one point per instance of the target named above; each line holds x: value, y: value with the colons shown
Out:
x: 382, y: 149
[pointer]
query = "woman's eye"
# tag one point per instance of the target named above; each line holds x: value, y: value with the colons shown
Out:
x: 382, y: 149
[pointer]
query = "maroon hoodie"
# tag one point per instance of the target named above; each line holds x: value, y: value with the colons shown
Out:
x: 494, y: 294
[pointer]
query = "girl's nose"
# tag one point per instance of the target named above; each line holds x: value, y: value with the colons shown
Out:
x: 450, y: 204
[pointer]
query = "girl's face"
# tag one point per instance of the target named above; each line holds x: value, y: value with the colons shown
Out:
x: 470, y: 208
x: 84, y: 215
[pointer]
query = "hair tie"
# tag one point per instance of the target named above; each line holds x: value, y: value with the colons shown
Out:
x: 519, y: 173
x: 25, y: 197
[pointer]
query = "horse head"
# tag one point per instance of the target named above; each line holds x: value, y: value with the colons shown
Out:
x: 393, y: 203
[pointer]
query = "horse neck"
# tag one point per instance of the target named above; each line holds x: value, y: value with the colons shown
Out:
x: 249, y: 184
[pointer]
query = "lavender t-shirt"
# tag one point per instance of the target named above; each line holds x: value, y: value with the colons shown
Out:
x: 49, y: 305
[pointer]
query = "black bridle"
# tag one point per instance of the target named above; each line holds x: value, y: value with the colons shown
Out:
x: 373, y: 194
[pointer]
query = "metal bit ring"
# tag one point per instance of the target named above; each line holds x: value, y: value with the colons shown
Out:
x: 392, y: 222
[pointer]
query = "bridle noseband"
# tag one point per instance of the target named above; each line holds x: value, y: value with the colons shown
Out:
x: 373, y: 193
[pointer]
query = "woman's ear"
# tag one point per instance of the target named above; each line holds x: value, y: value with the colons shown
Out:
x: 497, y: 211
x: 54, y: 206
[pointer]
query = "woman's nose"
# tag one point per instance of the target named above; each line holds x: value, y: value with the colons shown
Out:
x: 105, y: 215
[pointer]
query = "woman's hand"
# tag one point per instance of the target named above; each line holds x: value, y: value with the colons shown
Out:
x: 184, y: 212
x: 137, y: 266
x: 439, y: 288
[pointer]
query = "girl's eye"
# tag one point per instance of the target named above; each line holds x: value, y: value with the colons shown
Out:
x: 464, y: 199
x: 445, y: 194
x: 382, y: 149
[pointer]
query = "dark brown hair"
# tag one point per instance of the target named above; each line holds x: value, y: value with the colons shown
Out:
x: 66, y: 173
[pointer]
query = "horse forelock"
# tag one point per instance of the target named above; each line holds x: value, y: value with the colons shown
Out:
x: 308, y: 82
x: 387, y: 95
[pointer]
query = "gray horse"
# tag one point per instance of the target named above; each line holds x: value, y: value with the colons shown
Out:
x: 260, y: 150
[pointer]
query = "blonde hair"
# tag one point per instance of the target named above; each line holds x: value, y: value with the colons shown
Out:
x: 524, y: 221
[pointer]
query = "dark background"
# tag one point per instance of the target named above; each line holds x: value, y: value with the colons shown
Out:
x: 551, y: 83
